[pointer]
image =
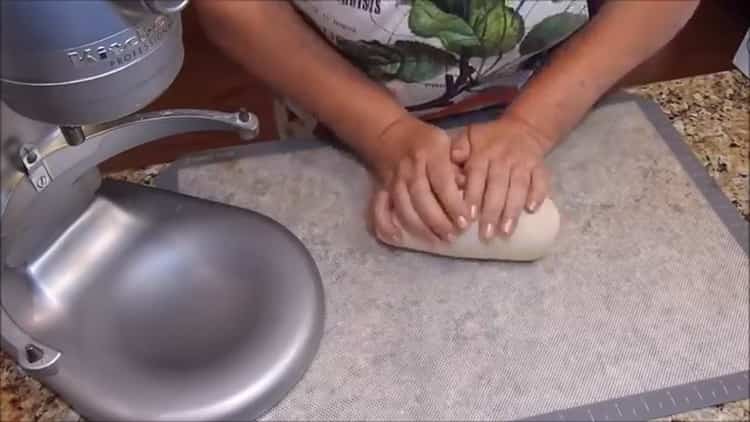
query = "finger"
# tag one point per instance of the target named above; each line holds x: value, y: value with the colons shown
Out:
x: 442, y: 178
x: 539, y: 188
x: 460, y: 149
x: 460, y: 179
x: 429, y: 209
x: 407, y: 216
x: 460, y: 176
x: 385, y: 228
x: 495, y: 191
x: 476, y: 179
x: 518, y: 191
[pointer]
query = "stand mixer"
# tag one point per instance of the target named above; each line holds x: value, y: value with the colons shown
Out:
x: 130, y: 302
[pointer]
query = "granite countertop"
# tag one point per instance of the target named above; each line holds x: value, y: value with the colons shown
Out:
x: 710, y: 112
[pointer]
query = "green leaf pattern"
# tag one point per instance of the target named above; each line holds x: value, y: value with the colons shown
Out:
x: 427, y: 20
x: 407, y: 61
x: 550, y: 31
x: 498, y: 27
x: 422, y: 62
x: 452, y: 31
x: 456, y: 7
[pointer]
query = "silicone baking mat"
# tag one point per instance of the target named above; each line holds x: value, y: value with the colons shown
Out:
x: 641, y: 310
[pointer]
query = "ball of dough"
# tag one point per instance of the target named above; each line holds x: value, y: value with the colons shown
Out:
x: 533, y: 238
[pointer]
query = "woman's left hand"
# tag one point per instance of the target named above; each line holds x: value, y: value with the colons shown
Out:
x: 504, y: 166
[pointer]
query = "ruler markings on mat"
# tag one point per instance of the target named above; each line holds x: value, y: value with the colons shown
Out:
x: 659, y: 403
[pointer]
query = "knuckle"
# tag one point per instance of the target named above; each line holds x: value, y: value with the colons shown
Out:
x: 513, y: 205
x: 498, y: 152
x: 413, y: 225
x: 517, y: 197
x: 513, y: 212
x: 419, y: 228
x: 442, y: 224
x: 526, y: 166
x: 515, y: 201
x: 379, y: 230
x: 403, y: 171
x: 415, y: 185
x: 437, y: 134
x: 536, y: 192
x: 520, y: 179
x: 377, y: 219
x: 508, y: 160
x: 492, y: 209
x: 478, y: 178
x: 475, y: 167
x: 446, y: 193
x: 381, y: 224
x: 439, y: 176
x: 420, y: 155
x: 496, y: 170
x: 474, y: 196
x: 380, y: 236
x: 400, y: 209
x: 399, y: 190
x: 440, y: 229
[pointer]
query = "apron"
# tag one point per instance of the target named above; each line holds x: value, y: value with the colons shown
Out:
x: 438, y: 57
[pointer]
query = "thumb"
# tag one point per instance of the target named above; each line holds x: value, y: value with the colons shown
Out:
x: 460, y: 148
x: 460, y: 177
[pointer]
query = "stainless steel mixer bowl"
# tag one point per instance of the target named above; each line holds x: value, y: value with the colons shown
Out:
x: 168, y: 307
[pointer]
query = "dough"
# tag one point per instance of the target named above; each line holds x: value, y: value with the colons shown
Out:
x: 532, y: 239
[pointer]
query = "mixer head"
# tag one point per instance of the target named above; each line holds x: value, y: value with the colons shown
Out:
x: 79, y: 62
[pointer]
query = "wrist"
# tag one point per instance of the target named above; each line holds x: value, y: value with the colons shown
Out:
x: 545, y: 137
x: 363, y: 132
x: 382, y: 143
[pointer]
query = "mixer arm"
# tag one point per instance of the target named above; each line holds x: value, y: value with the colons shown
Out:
x: 46, y: 188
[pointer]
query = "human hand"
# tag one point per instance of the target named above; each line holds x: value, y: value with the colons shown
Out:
x: 418, y: 184
x: 504, y: 166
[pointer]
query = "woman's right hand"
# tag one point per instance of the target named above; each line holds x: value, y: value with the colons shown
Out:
x: 412, y: 158
x: 419, y: 184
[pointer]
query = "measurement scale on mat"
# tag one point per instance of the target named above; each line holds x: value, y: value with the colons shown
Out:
x: 659, y: 403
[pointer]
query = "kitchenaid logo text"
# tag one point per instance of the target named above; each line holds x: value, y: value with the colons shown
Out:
x: 126, y: 50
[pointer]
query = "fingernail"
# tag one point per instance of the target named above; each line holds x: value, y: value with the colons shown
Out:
x: 507, y: 225
x: 489, y: 230
x: 451, y: 237
x: 473, y: 212
x: 462, y: 223
x: 532, y: 206
x: 396, y: 237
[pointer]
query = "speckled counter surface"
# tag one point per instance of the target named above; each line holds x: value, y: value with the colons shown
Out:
x: 711, y: 112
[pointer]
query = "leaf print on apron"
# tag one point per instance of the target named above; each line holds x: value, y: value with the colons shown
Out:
x: 442, y: 57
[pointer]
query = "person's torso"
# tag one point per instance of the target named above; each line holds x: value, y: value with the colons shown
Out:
x: 446, y: 56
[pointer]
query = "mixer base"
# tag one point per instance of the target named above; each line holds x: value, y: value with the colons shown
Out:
x: 168, y: 307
